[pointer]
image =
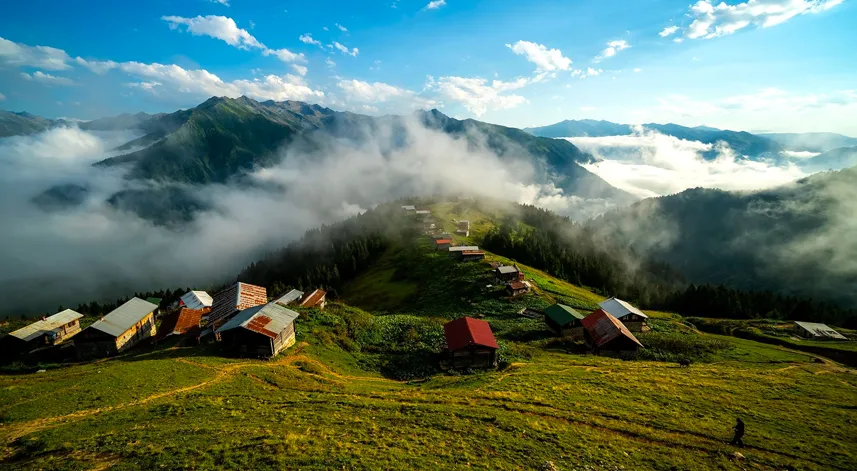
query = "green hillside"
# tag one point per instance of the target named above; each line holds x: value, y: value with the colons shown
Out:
x: 361, y: 389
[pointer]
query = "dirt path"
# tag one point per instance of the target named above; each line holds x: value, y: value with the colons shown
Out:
x: 15, y: 431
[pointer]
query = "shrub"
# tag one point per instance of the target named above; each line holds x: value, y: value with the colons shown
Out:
x: 675, y: 346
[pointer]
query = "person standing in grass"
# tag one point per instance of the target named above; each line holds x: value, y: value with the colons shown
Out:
x: 739, y: 433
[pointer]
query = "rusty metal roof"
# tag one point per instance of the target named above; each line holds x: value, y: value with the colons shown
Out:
x: 269, y: 320
x: 603, y: 328
x: 188, y: 320
x: 516, y: 285
x: 313, y: 298
x: 235, y: 298
x: 46, y: 326
x: 442, y: 241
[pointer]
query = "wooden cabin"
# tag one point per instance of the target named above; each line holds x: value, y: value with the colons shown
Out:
x: 229, y: 301
x: 506, y: 273
x: 317, y: 299
x: 565, y: 321
x: 410, y: 209
x: 517, y: 288
x: 291, y: 297
x: 472, y: 255
x: 442, y: 244
x: 121, y: 329
x: 812, y: 330
x: 458, y: 250
x: 463, y: 228
x: 45, y: 332
x: 603, y: 332
x: 259, y: 332
x: 470, y: 343
x: 634, y: 319
x: 196, y: 300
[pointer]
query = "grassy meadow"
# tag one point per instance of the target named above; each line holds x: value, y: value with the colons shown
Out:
x: 361, y: 389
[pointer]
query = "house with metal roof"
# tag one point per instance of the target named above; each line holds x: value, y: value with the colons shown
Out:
x: 506, y: 273
x: 472, y: 255
x: 457, y: 251
x: 470, y: 343
x: 52, y: 330
x: 441, y: 235
x: 603, y: 332
x: 260, y: 331
x: 517, y: 288
x: 634, y: 319
x: 812, y: 330
x: 463, y: 228
x: 317, y: 299
x: 565, y: 321
x: 409, y: 207
x: 197, y: 300
x: 121, y: 329
x: 442, y: 244
x: 290, y: 297
x: 229, y: 301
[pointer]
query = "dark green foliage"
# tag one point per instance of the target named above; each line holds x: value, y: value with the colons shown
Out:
x: 61, y: 197
x: 166, y: 206
x: 674, y: 346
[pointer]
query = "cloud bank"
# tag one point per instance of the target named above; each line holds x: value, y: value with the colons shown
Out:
x: 93, y: 251
x: 648, y: 164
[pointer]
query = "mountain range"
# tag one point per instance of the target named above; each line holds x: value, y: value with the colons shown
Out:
x: 745, y: 143
x: 795, y: 239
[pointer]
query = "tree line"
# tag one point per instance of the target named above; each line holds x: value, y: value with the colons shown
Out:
x: 569, y: 251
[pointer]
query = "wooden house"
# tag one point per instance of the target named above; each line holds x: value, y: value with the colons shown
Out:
x: 424, y: 213
x: 458, y: 251
x: 633, y: 318
x: 259, y: 332
x: 442, y: 235
x: 291, y: 297
x: 121, y: 329
x: 812, y: 330
x: 317, y: 299
x: 196, y: 300
x: 565, y: 321
x: 472, y: 255
x: 470, y: 343
x: 506, y: 273
x: 442, y: 244
x: 517, y: 288
x: 410, y: 209
x: 463, y: 228
x: 229, y: 301
x: 45, y: 332
x: 603, y: 332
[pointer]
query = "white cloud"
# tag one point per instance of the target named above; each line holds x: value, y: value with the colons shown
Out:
x: 218, y: 27
x: 711, y: 21
x: 668, y: 31
x: 306, y: 38
x: 222, y: 2
x: 612, y: 48
x: 299, y: 69
x: 42, y: 57
x: 353, y: 52
x: 649, y: 164
x: 226, y: 30
x: 435, y: 4
x: 147, y: 86
x: 589, y: 72
x: 477, y: 94
x: 285, y: 55
x: 800, y: 154
x: 99, y: 67
x: 47, y: 79
x: 372, y: 94
x: 2, y: 97
x: 636, y: 70
x: 204, y: 83
x: 330, y: 63
x: 342, y: 28
x: 546, y: 60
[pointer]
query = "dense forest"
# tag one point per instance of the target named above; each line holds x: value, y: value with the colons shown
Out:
x: 569, y: 251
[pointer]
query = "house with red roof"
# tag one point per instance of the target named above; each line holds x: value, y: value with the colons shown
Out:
x: 603, y: 332
x: 470, y: 343
x: 443, y: 244
x: 316, y: 299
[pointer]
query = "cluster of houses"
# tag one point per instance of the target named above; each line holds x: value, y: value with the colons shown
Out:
x: 240, y: 316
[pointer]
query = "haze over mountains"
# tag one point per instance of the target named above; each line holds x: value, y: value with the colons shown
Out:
x: 211, y: 187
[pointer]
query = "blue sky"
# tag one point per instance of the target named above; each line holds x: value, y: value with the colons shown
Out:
x: 760, y: 65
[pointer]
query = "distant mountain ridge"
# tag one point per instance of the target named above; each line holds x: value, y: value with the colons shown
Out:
x: 23, y: 123
x: 742, y: 142
x: 796, y: 239
x: 811, y: 141
x: 223, y: 138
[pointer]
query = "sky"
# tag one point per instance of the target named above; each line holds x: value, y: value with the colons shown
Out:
x: 756, y: 65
